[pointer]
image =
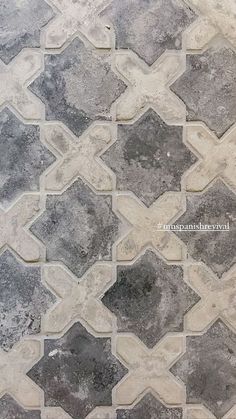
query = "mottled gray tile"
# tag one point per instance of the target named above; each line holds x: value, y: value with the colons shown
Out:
x: 78, y: 372
x: 149, y: 157
x: 78, y: 86
x: 149, y: 27
x: 78, y: 227
x: 149, y: 298
x: 21, y: 22
x: 209, y: 369
x: 150, y: 408
x: 208, y: 88
x: 22, y: 157
x: 22, y: 299
x: 217, y: 249
x: 10, y: 409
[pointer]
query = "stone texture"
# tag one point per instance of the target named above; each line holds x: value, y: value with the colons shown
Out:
x: 208, y: 369
x: 23, y: 299
x: 23, y: 158
x: 77, y: 372
x: 77, y: 86
x: 148, y: 86
x: 147, y: 27
x: 10, y: 409
x: 149, y: 157
x: 21, y: 22
x: 77, y: 227
x: 217, y: 205
x: 208, y: 88
x: 149, y: 408
x: 149, y: 369
x: 149, y: 298
x: 145, y: 221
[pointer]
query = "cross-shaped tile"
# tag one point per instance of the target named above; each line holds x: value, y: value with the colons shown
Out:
x: 218, y: 298
x: 150, y: 369
x: 78, y: 157
x: 14, y: 366
x: 201, y: 412
x: 216, y: 17
x: 15, y: 77
x: 12, y: 227
x: 149, y: 86
x: 218, y: 157
x: 78, y: 300
x: 145, y: 223
x: 77, y: 16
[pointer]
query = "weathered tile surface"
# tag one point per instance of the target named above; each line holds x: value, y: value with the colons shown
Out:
x: 217, y: 205
x: 10, y: 409
x: 23, y: 299
x: 78, y: 372
x: 78, y: 86
x: 149, y: 157
x: 208, y: 369
x: 23, y: 158
x: 208, y: 87
x: 147, y: 27
x: 149, y: 298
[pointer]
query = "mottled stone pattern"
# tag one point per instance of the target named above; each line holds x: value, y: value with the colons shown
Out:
x: 149, y: 298
x: 117, y: 118
x: 23, y: 158
x: 78, y: 372
x: 149, y: 157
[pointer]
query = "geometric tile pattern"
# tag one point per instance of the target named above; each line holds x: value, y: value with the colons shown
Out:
x: 117, y: 118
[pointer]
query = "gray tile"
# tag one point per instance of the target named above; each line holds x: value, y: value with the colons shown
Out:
x: 150, y: 408
x: 208, y: 88
x: 208, y: 369
x: 149, y: 157
x: 22, y: 300
x: 78, y: 372
x: 147, y: 27
x: 78, y: 227
x: 23, y: 158
x: 217, y: 249
x: 10, y: 409
x: 78, y: 86
x: 150, y: 298
x: 21, y: 22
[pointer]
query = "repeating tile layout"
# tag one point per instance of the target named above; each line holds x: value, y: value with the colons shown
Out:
x: 117, y: 118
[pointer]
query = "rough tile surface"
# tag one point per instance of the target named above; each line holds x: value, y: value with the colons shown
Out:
x: 149, y: 298
x: 78, y: 86
x: 10, y: 409
x: 23, y: 158
x: 23, y: 300
x: 21, y: 23
x: 208, y: 88
x: 149, y: 157
x: 78, y: 372
x: 147, y: 27
x: 208, y: 369
x: 217, y: 249
x: 77, y: 227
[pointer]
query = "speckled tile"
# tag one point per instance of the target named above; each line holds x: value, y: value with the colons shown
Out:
x: 10, y: 409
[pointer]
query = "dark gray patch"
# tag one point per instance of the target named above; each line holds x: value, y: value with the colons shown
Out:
x: 20, y: 25
x: 150, y: 298
x: 77, y: 372
x: 78, y: 227
x: 208, y: 88
x: 149, y: 157
x: 150, y: 408
x: 22, y: 300
x: 22, y: 157
x: 10, y: 409
x: 215, y: 248
x: 209, y: 369
x: 149, y: 27
x: 77, y: 86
